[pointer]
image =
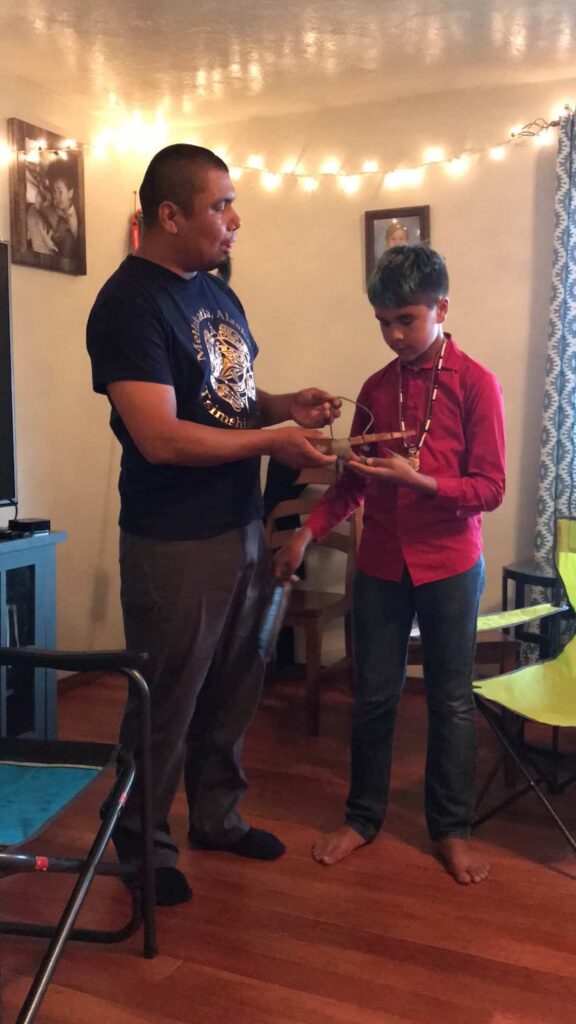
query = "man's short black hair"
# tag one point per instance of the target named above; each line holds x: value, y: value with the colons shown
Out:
x: 408, y: 275
x: 174, y: 175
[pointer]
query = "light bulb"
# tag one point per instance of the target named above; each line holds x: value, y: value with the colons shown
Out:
x: 392, y: 179
x: 412, y: 176
x: 404, y: 176
x: 458, y: 166
x: 270, y: 181
x: 349, y: 183
x: 433, y: 155
x: 330, y: 166
x: 309, y: 184
x: 562, y: 110
x: 255, y: 162
x: 497, y: 153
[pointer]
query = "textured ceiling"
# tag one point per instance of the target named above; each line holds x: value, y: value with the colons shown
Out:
x: 215, y: 59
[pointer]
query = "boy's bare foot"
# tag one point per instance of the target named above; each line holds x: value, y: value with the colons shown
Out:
x: 462, y: 861
x: 337, y: 845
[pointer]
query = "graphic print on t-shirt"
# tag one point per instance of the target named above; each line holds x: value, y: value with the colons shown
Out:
x: 229, y: 391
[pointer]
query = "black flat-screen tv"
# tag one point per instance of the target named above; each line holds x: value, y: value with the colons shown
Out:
x: 7, y: 447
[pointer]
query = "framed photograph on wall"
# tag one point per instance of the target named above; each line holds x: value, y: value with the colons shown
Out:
x: 46, y: 200
x: 386, y: 228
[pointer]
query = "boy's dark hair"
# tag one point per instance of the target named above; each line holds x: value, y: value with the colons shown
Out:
x: 175, y: 175
x: 408, y: 275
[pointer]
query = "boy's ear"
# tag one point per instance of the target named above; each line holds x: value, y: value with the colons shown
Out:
x: 442, y: 309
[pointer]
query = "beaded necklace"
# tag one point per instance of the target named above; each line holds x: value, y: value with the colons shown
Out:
x: 413, y: 450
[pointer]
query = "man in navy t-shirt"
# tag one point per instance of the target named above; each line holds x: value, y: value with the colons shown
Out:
x: 172, y: 350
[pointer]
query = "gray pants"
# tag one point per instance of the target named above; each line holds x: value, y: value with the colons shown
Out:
x: 195, y: 607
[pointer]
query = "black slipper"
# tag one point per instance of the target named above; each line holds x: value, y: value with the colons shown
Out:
x: 171, y: 887
x: 255, y: 843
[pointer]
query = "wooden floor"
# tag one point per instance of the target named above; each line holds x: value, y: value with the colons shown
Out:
x: 383, y: 938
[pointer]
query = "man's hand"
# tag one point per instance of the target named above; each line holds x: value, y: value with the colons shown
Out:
x: 290, y: 556
x: 394, y: 470
x: 291, y: 445
x: 312, y: 407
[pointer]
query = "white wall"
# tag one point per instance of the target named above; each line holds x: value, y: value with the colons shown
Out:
x: 299, y: 271
x: 66, y: 456
x: 299, y: 264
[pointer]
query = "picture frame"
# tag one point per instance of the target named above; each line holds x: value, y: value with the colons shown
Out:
x: 47, y: 218
x: 410, y: 223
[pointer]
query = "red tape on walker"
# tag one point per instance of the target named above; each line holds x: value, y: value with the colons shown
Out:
x: 42, y: 863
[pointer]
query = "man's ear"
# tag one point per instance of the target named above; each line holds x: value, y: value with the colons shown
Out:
x: 442, y: 309
x: 167, y: 213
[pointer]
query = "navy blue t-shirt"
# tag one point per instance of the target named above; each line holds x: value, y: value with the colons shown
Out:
x: 150, y: 324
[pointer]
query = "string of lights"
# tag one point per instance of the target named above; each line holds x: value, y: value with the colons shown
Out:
x: 539, y: 130
x: 136, y: 135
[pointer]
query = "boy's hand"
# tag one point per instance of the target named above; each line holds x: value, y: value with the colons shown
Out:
x: 289, y: 557
x: 313, y: 407
x: 396, y: 471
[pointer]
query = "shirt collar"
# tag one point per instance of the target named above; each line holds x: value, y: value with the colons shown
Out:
x: 450, y: 361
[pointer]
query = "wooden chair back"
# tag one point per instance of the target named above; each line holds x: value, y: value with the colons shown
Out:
x: 310, y: 607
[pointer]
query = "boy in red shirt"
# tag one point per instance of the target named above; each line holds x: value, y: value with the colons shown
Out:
x: 420, y: 554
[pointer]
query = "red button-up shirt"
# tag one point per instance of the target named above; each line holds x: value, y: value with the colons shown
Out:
x: 440, y: 536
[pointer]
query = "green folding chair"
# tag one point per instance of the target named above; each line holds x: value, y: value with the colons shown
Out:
x: 39, y: 779
x: 543, y: 693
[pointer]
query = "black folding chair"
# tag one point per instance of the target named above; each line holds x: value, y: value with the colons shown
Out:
x: 40, y: 778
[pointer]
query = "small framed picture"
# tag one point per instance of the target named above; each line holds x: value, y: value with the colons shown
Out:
x: 46, y: 200
x: 387, y: 228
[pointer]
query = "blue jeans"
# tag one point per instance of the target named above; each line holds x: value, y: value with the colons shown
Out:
x: 383, y: 614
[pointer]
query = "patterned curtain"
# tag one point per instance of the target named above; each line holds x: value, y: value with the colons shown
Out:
x: 557, y: 487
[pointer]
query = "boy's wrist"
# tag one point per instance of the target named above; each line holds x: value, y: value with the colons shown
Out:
x: 305, y: 535
x: 424, y: 484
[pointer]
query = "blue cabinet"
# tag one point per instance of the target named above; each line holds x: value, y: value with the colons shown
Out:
x: 28, y: 618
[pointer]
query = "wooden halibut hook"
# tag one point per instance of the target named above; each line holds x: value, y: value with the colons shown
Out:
x: 343, y: 447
